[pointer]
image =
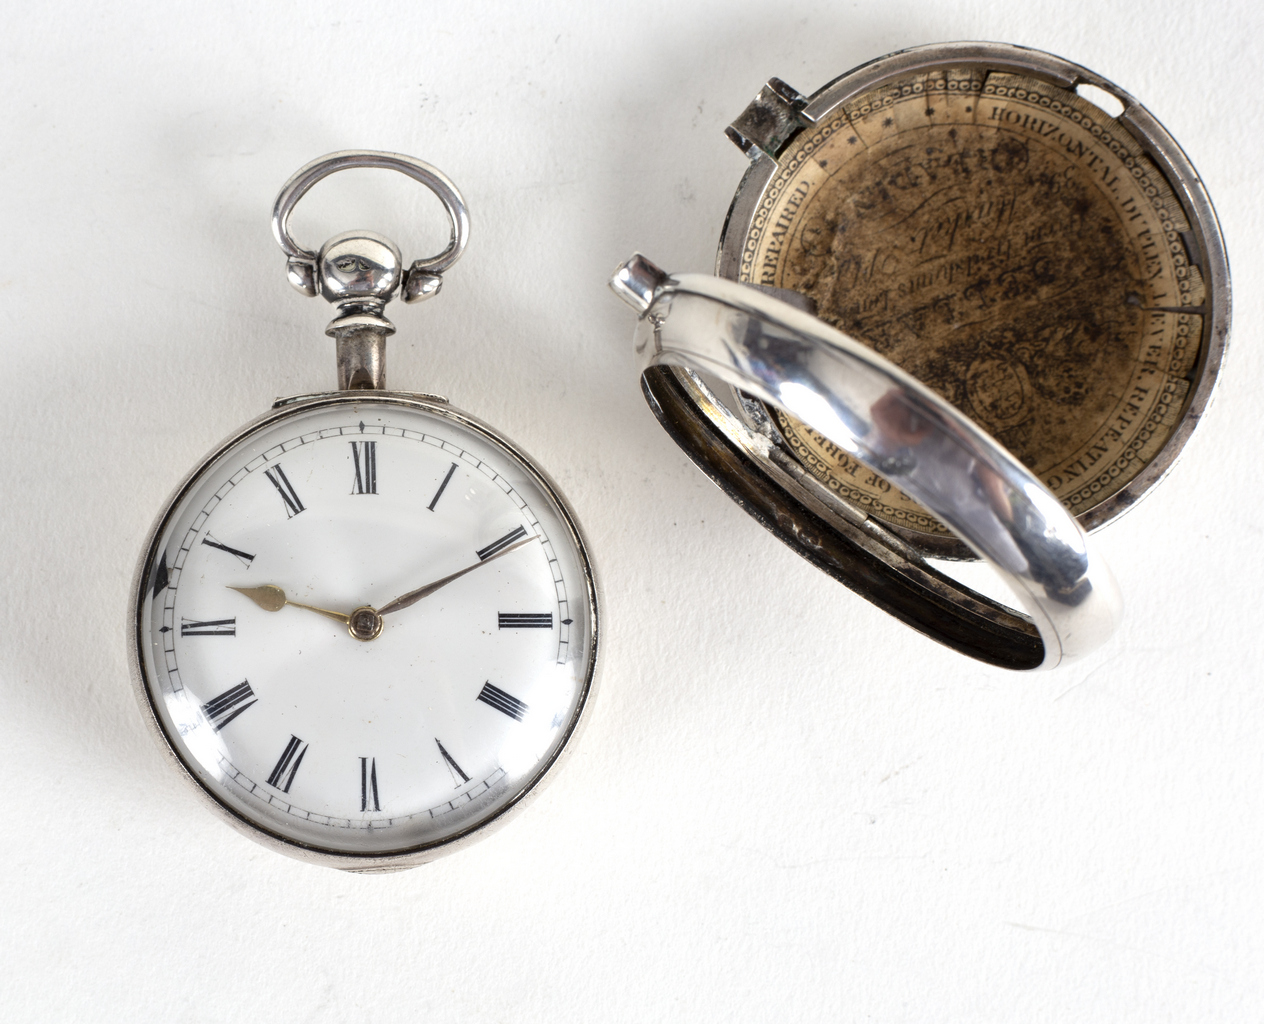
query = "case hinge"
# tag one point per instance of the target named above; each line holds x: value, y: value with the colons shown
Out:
x: 772, y: 117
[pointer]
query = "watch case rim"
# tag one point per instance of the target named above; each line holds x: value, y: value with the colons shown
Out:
x: 377, y: 861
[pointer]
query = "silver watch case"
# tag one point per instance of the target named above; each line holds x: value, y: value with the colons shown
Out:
x: 142, y: 584
x: 729, y: 432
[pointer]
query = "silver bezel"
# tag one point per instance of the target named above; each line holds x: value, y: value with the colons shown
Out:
x: 790, y: 360
x: 1158, y: 145
x: 375, y: 862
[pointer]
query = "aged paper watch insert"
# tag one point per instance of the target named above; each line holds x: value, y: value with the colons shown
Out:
x: 1009, y: 245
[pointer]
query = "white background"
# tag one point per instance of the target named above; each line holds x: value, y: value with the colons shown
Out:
x: 786, y: 806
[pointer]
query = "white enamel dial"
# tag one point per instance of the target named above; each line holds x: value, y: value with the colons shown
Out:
x: 407, y: 738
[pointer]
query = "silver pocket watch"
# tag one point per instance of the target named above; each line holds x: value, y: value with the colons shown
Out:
x: 365, y: 625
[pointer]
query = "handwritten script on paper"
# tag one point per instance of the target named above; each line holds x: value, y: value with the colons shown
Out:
x: 1011, y: 246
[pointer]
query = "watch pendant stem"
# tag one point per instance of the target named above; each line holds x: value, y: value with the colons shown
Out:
x: 361, y: 357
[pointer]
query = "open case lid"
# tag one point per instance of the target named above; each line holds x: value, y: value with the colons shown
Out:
x: 694, y: 323
x: 1015, y: 231
x: 977, y: 214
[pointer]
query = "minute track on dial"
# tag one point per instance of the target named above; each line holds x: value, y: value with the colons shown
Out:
x: 302, y: 677
x: 364, y: 756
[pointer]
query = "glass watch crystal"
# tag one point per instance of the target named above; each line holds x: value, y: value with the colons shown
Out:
x: 365, y: 624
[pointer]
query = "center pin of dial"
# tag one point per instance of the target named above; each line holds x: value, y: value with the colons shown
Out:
x: 365, y: 623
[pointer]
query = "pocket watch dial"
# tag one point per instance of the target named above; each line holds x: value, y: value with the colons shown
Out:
x: 367, y: 625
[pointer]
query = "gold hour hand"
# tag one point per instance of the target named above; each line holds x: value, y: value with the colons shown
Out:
x: 272, y: 599
x: 413, y: 596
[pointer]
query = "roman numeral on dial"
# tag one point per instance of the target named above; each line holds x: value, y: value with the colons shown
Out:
x: 504, y: 702
x: 293, y: 506
x: 287, y: 767
x: 453, y: 767
x: 212, y: 627
x: 368, y: 784
x: 221, y: 710
x: 504, y: 542
x: 364, y: 455
x: 241, y: 556
x: 525, y: 620
x: 439, y: 493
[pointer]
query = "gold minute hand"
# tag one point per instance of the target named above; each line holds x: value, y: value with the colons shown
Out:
x: 413, y: 596
x: 273, y: 599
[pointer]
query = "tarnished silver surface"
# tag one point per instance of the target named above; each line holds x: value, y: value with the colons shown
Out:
x: 361, y: 355
x: 361, y: 271
x: 773, y: 116
x: 896, y: 427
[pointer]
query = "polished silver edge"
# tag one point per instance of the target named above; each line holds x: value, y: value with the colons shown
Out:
x: 1158, y: 145
x: 420, y: 396
x: 1068, y: 626
x: 376, y: 862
